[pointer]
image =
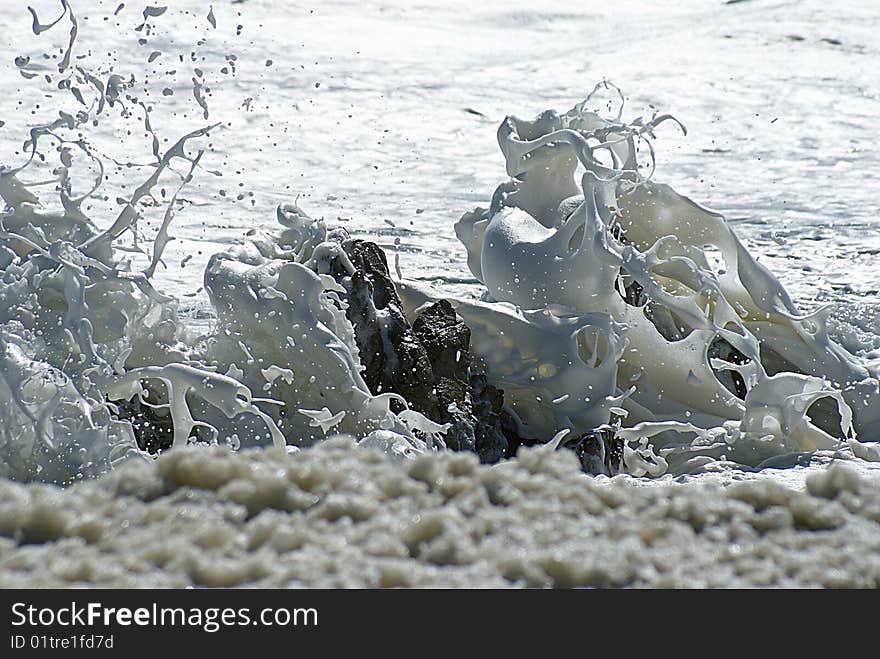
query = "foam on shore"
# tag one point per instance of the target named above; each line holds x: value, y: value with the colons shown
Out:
x: 341, y: 516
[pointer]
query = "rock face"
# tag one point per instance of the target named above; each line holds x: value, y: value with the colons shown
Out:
x: 466, y: 399
x: 496, y: 434
x: 446, y: 340
x: 428, y: 363
x: 393, y: 357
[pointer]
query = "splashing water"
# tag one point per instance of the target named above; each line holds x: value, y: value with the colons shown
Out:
x: 85, y: 338
x: 611, y: 301
x: 716, y: 352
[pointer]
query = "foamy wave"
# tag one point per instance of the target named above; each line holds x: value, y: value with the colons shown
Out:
x: 613, y: 303
x: 716, y: 360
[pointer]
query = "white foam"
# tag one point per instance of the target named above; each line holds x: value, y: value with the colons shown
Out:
x: 82, y: 326
x: 547, y: 241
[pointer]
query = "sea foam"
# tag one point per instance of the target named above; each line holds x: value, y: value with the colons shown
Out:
x: 611, y: 302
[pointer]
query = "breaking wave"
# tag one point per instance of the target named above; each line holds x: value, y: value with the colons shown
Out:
x: 612, y: 304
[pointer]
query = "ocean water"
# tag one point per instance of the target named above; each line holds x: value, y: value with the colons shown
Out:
x: 364, y: 113
x: 382, y: 118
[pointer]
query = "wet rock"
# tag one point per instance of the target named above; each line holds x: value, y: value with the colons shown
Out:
x: 447, y: 339
x: 600, y: 451
x: 369, y: 259
x: 492, y: 442
x: 473, y: 407
x: 430, y: 365
x: 427, y: 363
x: 394, y: 358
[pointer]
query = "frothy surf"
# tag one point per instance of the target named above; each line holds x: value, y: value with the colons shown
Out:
x: 612, y: 303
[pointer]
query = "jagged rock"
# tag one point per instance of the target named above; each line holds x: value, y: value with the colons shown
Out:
x: 369, y: 258
x: 430, y: 365
x: 600, y: 451
x: 492, y: 442
x: 447, y: 339
x: 427, y: 363
x: 472, y: 406
x: 394, y: 359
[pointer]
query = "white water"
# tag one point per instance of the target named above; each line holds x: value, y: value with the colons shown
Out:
x: 781, y: 129
x: 363, y: 111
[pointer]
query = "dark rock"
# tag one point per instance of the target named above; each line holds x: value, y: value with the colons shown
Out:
x: 369, y: 258
x: 394, y: 358
x: 473, y: 407
x: 446, y: 338
x: 492, y: 442
x: 600, y: 451
x: 429, y: 364
x: 455, y: 408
